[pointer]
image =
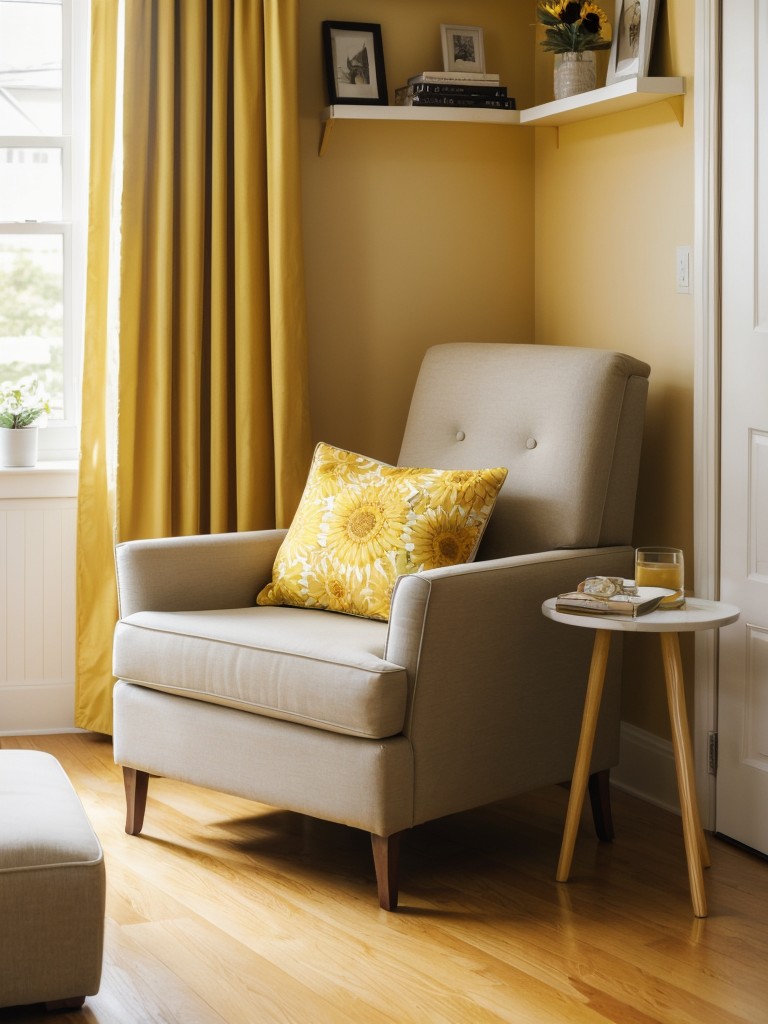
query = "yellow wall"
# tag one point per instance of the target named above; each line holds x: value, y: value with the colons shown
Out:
x: 414, y: 234
x: 419, y: 234
x: 613, y: 201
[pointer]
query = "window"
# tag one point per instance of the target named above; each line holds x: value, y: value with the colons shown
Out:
x: 43, y: 196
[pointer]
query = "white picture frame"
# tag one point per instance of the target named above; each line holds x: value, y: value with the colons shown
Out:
x: 633, y: 26
x: 463, y: 48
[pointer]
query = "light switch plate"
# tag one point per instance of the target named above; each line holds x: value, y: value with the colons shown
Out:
x: 683, y: 269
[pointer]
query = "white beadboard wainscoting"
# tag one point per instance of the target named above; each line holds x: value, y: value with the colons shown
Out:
x: 37, y: 598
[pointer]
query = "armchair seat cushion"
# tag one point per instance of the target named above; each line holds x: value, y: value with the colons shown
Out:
x: 325, y: 671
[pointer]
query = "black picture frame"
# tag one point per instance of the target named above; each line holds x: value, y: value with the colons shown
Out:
x: 354, y: 63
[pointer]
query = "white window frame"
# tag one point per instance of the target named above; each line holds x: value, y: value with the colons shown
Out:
x: 60, y: 438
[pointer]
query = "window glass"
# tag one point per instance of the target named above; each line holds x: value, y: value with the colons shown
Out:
x: 43, y: 200
x: 32, y: 312
x: 30, y: 183
x: 30, y: 67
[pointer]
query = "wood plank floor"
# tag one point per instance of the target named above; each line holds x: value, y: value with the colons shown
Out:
x: 229, y: 911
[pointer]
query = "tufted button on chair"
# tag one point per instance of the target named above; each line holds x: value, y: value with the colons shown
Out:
x: 467, y: 694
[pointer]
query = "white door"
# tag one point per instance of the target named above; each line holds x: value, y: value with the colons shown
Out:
x: 742, y: 775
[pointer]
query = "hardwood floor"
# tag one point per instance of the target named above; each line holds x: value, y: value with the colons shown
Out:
x: 229, y: 911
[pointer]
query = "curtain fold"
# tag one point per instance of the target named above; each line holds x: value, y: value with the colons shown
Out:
x: 195, y: 381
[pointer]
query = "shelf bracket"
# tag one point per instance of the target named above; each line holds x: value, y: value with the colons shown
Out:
x: 677, y: 103
x: 327, y: 128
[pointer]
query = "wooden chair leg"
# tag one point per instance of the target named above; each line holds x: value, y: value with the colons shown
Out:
x: 386, y: 857
x: 136, y: 783
x: 600, y: 799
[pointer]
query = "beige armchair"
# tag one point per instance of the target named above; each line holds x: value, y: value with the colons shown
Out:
x: 468, y: 694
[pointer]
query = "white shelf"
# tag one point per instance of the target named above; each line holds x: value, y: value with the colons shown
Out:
x: 354, y: 112
x: 478, y: 115
x: 611, y: 99
x: 626, y: 95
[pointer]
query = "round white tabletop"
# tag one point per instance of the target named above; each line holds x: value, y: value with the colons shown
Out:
x: 697, y: 614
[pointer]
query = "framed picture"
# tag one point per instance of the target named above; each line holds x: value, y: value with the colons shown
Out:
x: 463, y: 48
x: 633, y: 27
x: 354, y: 62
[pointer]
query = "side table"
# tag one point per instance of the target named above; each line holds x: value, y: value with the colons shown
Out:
x: 697, y: 614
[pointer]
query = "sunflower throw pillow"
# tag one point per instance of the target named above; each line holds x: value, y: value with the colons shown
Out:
x: 361, y: 524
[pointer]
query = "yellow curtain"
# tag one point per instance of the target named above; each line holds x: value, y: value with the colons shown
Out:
x: 195, y: 382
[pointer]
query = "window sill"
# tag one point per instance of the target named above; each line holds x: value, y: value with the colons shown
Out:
x: 45, y: 480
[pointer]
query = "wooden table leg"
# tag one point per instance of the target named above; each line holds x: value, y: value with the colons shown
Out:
x: 696, y: 850
x: 584, y: 752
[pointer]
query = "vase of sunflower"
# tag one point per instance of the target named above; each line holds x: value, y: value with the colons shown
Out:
x: 573, y: 32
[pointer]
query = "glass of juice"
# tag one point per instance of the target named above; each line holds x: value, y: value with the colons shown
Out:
x: 661, y: 567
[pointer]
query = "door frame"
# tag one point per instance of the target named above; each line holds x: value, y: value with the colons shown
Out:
x: 706, y: 387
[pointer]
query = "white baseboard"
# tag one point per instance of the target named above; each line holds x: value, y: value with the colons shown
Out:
x: 37, y: 708
x: 647, y: 768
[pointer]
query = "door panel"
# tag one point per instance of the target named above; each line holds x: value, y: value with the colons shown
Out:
x: 742, y: 778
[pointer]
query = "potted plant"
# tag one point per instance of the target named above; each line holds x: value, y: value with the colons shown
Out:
x: 21, y: 406
x: 573, y: 32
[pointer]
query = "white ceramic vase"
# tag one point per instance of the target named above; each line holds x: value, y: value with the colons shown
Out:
x: 18, y: 447
x: 574, y: 73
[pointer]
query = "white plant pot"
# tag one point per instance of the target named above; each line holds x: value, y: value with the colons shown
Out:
x: 18, y: 447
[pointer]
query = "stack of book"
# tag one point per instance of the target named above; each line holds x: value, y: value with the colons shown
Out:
x: 454, y: 89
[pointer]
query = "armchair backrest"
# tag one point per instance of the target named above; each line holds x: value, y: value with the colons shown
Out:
x: 566, y: 422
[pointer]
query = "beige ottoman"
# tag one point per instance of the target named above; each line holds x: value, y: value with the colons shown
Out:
x: 52, y: 886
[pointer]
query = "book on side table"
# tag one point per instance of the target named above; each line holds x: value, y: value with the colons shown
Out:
x: 640, y: 603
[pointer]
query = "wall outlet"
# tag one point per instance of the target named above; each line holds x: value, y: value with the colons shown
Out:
x: 683, y: 269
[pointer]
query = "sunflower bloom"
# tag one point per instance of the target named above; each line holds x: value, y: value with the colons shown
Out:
x: 364, y: 524
x: 440, y: 540
x: 573, y: 26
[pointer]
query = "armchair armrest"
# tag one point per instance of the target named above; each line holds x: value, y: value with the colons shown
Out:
x: 481, y: 598
x: 495, y: 689
x: 221, y: 570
